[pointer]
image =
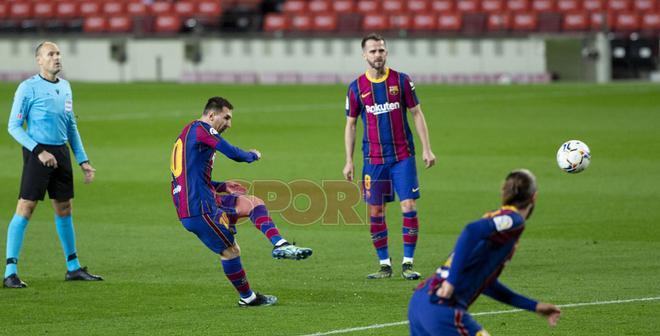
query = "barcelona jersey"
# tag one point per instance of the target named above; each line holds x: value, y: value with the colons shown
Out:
x: 191, y: 166
x: 382, y: 104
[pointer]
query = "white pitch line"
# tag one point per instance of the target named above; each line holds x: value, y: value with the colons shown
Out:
x: 496, y: 312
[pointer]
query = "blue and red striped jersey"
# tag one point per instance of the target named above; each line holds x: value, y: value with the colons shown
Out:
x: 382, y: 104
x: 191, y: 166
x: 481, y: 251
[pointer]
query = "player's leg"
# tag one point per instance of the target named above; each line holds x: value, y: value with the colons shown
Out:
x: 60, y: 190
x: 253, y: 207
x: 404, y: 179
x: 213, y: 231
x: 34, y: 181
x: 377, y: 190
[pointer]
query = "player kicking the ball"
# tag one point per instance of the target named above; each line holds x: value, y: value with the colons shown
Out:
x: 193, y: 194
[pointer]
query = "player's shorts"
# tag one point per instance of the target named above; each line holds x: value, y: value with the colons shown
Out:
x: 37, y: 178
x: 227, y: 203
x: 380, y: 181
x: 211, y: 229
x: 429, y: 319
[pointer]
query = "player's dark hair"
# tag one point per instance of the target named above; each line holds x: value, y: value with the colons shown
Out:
x: 372, y: 36
x: 216, y: 104
x: 519, y: 188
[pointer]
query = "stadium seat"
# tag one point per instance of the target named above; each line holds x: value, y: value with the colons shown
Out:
x: 343, y: 6
x: 474, y: 24
x: 651, y: 22
x: 167, y: 23
x: 418, y: 6
x: 442, y: 6
x: 301, y: 22
x: 185, y: 9
x: 44, y: 10
x: 627, y: 22
x: 67, y: 10
x: 468, y: 6
x: 21, y: 10
x: 600, y: 21
x: 593, y: 5
x: 120, y: 24
x: 4, y: 10
x: 136, y: 8
x: 493, y: 6
x: 400, y: 22
x: 575, y: 21
x: 518, y: 5
x: 368, y: 6
x: 161, y: 7
x: 568, y: 5
x: 645, y: 5
x: 498, y: 22
x: 276, y: 22
x: 549, y: 22
x: 544, y: 6
x: 425, y: 22
x: 619, y: 5
x: 393, y: 6
x: 319, y: 6
x: 90, y: 9
x: 112, y: 8
x: 375, y: 22
x: 524, y: 22
x: 95, y: 24
x: 209, y: 9
x: 449, y: 22
x: 294, y: 6
x: 326, y: 22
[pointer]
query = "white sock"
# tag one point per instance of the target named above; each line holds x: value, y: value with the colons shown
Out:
x: 387, y: 262
x: 407, y: 260
x: 250, y: 298
x: 281, y: 242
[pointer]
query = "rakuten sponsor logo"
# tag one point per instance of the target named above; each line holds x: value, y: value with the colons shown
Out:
x: 382, y: 108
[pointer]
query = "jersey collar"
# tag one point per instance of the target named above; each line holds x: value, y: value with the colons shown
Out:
x: 378, y: 80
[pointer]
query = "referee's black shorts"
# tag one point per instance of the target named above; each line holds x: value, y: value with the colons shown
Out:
x: 38, y: 178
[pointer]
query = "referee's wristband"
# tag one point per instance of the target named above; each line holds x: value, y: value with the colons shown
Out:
x: 38, y: 149
x: 82, y: 163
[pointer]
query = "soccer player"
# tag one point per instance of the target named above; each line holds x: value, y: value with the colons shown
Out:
x: 193, y: 191
x: 45, y: 103
x: 382, y: 97
x: 439, y: 305
x: 232, y: 199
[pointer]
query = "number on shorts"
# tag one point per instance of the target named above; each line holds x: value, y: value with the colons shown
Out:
x: 367, y: 182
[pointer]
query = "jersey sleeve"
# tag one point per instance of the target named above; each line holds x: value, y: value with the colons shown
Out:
x: 212, y: 138
x: 20, y: 111
x: 502, y: 293
x: 352, y: 103
x: 409, y: 94
x: 74, y: 136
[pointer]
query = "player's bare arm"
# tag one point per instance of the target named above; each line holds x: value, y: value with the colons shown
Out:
x: 549, y: 311
x: 349, y: 145
x: 423, y: 131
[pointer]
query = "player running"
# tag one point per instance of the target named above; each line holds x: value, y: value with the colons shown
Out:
x: 382, y: 98
x: 439, y: 305
x: 193, y: 193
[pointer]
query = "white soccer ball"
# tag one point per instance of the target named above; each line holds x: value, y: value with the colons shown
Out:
x: 573, y: 156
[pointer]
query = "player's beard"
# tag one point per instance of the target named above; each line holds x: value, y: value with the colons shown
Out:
x: 376, y: 67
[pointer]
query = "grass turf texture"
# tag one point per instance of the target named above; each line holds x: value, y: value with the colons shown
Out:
x: 594, y: 236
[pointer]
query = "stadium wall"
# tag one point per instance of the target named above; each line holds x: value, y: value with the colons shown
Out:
x: 272, y: 60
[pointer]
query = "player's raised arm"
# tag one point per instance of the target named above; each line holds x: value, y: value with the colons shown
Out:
x: 235, y: 153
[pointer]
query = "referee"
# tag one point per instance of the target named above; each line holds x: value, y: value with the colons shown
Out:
x: 44, y: 103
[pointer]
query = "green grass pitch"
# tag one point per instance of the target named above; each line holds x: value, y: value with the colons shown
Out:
x: 594, y: 235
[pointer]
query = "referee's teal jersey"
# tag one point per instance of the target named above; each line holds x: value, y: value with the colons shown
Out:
x: 47, y: 109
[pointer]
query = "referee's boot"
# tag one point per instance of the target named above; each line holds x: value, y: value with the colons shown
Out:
x: 408, y: 273
x: 13, y: 281
x: 82, y: 275
x: 291, y: 251
x: 259, y: 300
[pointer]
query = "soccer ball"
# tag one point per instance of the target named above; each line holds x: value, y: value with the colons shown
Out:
x: 573, y: 156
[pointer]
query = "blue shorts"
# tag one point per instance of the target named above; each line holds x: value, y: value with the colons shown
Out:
x: 227, y: 203
x: 380, y: 181
x: 428, y: 319
x: 211, y: 229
